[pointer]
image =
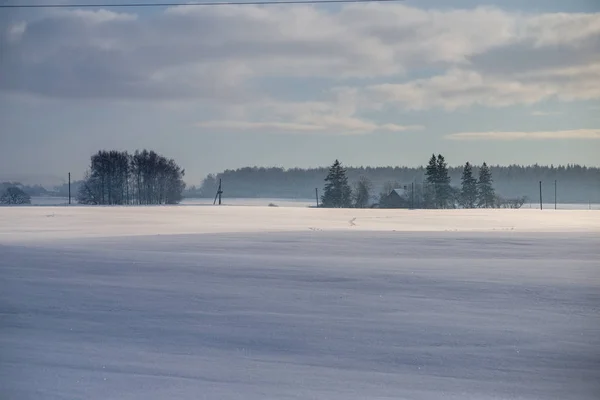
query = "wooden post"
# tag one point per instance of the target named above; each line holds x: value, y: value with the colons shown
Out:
x: 541, y: 204
x: 218, y: 194
x: 69, y: 188
x: 317, y: 196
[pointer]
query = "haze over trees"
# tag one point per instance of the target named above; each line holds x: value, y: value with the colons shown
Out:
x: 576, y: 183
x: 31, y: 190
x: 362, y: 192
x: 14, y: 195
x: 120, y: 178
x: 436, y: 192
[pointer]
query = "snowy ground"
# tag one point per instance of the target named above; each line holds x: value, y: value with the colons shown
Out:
x: 298, y: 303
x: 64, y: 201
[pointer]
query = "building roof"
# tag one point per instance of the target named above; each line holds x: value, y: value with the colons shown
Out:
x: 399, y: 191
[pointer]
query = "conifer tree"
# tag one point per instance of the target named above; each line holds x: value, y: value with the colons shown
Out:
x: 337, y: 193
x: 438, y: 179
x: 443, y: 190
x: 469, y: 187
x: 429, y: 192
x: 431, y: 171
x: 485, y: 190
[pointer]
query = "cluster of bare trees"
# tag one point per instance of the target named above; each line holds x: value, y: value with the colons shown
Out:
x: 13, y: 195
x: 119, y: 178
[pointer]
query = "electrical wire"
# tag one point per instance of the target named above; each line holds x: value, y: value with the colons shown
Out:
x: 211, y: 3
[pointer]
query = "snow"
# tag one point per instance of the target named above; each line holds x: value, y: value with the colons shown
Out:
x: 262, y: 202
x: 198, y: 302
x: 51, y: 223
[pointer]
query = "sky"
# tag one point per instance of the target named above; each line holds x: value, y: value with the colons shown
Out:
x: 300, y: 85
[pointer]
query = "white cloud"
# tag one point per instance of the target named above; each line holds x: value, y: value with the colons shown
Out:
x: 561, y: 28
x: 101, y: 16
x: 539, y: 135
x: 337, y: 116
x: 464, y: 88
x: 15, y: 31
x: 539, y: 113
x: 218, y: 56
x: 328, y: 125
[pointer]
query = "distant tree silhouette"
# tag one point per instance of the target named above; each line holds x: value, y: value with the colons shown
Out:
x: 576, y: 183
x: 14, y: 195
x: 469, y: 187
x: 438, y: 193
x: 444, y: 193
x: 338, y: 193
x: 486, y: 194
x: 362, y: 192
x: 35, y: 190
x: 117, y: 178
x: 431, y: 171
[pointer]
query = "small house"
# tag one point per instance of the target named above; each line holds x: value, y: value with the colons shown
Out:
x: 397, y: 198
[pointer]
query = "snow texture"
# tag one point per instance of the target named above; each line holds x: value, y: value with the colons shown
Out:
x: 296, y: 303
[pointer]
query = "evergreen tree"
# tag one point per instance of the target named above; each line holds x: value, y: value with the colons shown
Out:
x: 443, y: 190
x: 485, y: 190
x: 439, y: 192
x: 338, y: 193
x: 431, y: 171
x: 429, y: 192
x: 469, y: 187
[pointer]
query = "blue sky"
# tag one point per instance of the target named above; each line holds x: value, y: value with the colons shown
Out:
x: 225, y: 87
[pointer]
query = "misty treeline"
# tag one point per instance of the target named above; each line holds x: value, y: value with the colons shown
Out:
x: 576, y: 183
x: 119, y: 178
x: 437, y: 192
x: 13, y: 193
x: 31, y: 190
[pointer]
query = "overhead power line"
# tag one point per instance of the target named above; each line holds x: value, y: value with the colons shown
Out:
x: 211, y: 3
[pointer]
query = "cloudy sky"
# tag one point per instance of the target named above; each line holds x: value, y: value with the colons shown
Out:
x: 371, y: 84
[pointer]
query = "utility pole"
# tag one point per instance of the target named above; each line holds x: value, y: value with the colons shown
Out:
x: 317, y: 196
x: 69, y: 188
x: 218, y: 194
x: 541, y: 204
x: 220, y: 191
x: 412, y: 195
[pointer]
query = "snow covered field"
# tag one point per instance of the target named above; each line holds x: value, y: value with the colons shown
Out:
x: 297, y: 303
x: 263, y: 202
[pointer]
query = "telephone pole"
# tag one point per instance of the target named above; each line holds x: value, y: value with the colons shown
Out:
x: 541, y: 204
x: 69, y: 188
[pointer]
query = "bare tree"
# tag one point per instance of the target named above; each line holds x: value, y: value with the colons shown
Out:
x: 142, y: 178
x: 362, y: 192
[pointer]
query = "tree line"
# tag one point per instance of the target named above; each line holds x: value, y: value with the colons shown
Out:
x: 119, y: 178
x: 13, y: 193
x: 436, y: 192
x: 577, y: 184
x: 472, y: 193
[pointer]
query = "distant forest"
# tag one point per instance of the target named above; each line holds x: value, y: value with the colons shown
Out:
x: 575, y: 183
